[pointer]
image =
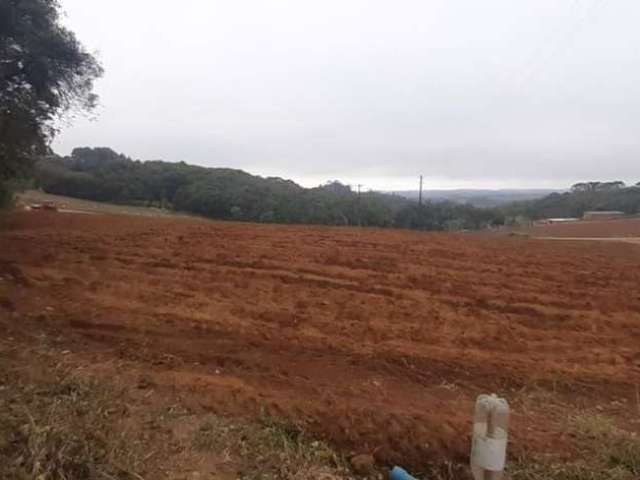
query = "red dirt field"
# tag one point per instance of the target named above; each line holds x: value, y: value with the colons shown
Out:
x: 376, y: 340
x: 603, y: 228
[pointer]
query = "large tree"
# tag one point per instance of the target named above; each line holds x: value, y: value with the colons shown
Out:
x: 45, y: 73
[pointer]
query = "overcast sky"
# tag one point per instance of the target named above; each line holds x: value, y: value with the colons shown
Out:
x: 491, y: 93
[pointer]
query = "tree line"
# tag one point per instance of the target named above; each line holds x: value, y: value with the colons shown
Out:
x: 103, y: 175
x: 583, y: 197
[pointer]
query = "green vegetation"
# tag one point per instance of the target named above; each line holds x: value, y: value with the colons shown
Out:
x: 272, y: 448
x: 610, y: 453
x: 63, y: 429
x: 582, y: 197
x: 44, y: 73
x: 101, y: 174
x: 6, y: 195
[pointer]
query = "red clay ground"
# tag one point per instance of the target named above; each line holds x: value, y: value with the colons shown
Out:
x: 594, y: 229
x: 376, y: 340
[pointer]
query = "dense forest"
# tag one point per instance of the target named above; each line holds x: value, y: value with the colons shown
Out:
x: 583, y: 197
x: 104, y: 175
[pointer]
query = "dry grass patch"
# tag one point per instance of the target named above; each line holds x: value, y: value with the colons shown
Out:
x: 57, y: 422
x: 270, y: 449
x: 64, y: 430
x: 609, y: 453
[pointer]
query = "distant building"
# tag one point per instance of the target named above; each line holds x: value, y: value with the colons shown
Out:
x: 603, y: 215
x: 548, y: 221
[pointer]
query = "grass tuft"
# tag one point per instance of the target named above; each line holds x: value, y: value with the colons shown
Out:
x: 270, y: 449
x: 62, y: 431
x: 614, y: 454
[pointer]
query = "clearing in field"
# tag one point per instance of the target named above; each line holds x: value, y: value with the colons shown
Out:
x: 377, y: 341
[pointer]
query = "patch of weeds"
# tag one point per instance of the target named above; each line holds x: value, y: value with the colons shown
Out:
x: 613, y: 454
x: 625, y: 453
x: 58, y: 422
x: 213, y: 435
x: 291, y: 444
x: 570, y: 471
x: 271, y: 449
x: 620, y: 448
x: 62, y: 430
x: 593, y: 427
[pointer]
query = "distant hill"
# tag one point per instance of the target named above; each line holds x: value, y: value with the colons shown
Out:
x: 100, y: 174
x: 479, y: 198
x: 598, y: 196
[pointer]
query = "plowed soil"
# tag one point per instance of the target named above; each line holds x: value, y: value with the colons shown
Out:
x: 622, y: 228
x: 376, y: 340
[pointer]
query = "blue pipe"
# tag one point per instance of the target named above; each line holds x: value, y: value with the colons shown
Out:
x: 400, y: 474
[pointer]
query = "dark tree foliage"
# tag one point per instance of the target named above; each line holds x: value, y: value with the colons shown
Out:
x: 44, y: 73
x: 447, y: 216
x: 104, y: 175
x: 583, y: 197
x: 585, y: 187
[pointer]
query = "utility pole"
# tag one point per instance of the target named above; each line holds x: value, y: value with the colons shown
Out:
x: 359, y: 206
x: 420, y: 194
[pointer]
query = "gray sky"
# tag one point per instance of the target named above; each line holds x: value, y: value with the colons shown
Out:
x: 491, y: 93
